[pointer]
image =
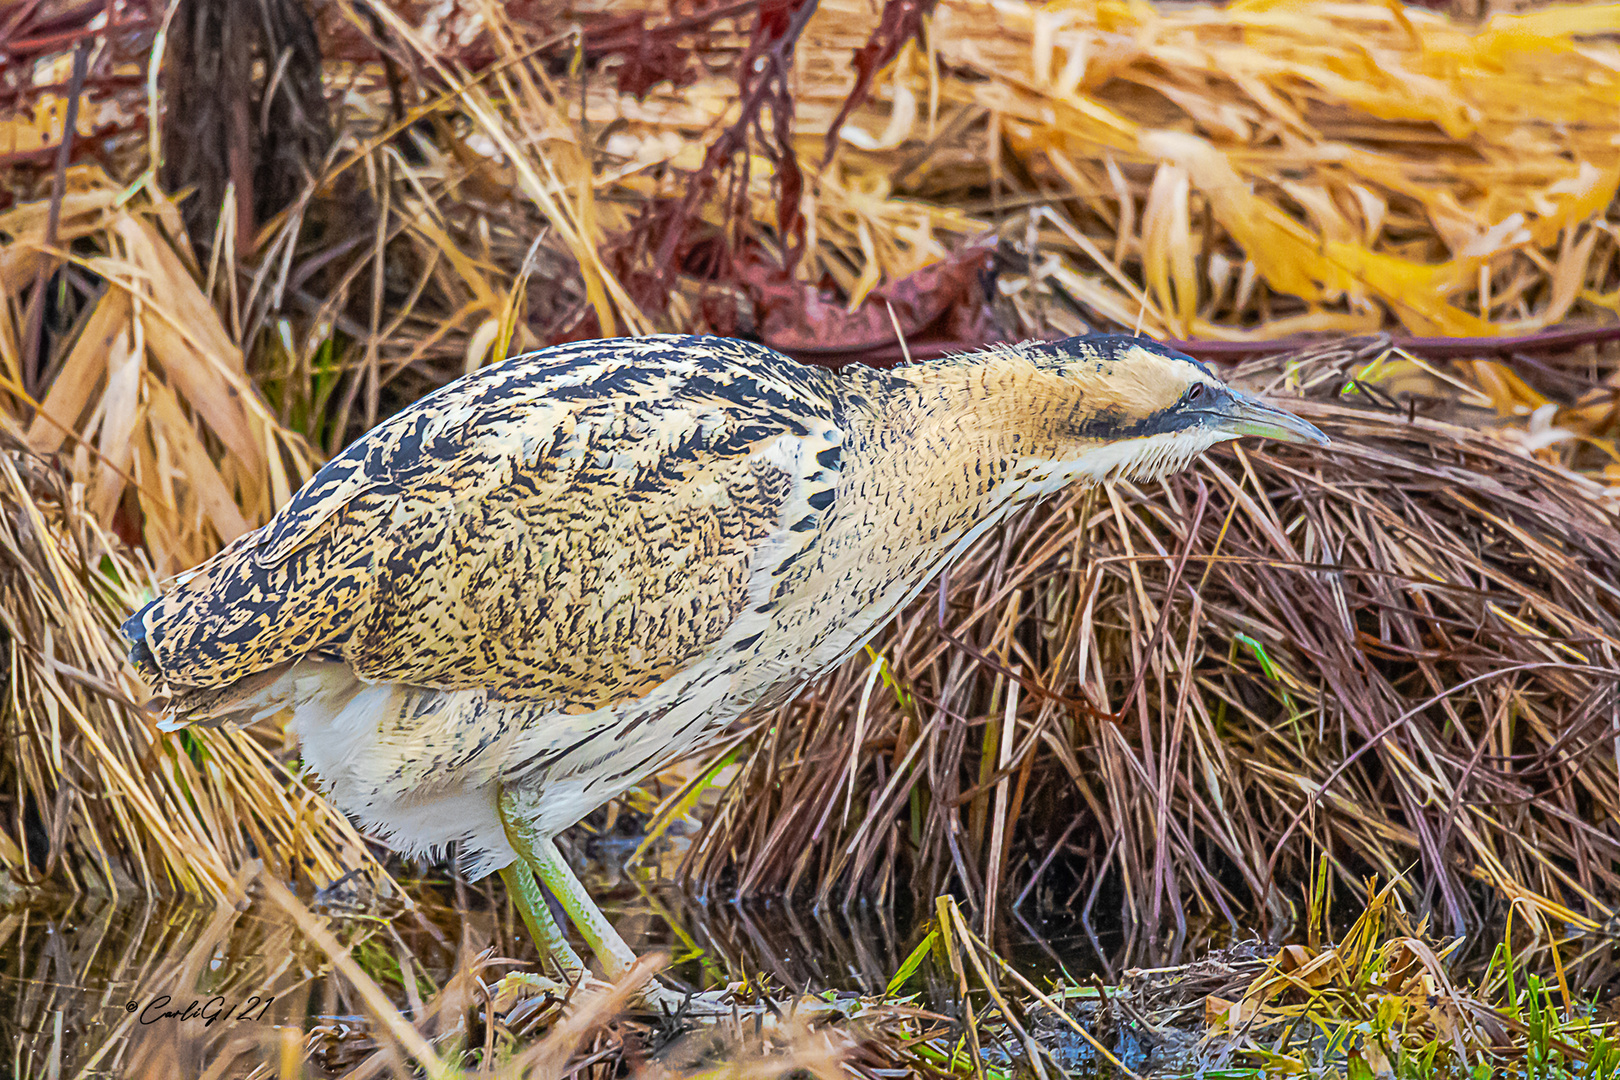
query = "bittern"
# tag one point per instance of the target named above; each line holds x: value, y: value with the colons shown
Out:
x: 521, y: 595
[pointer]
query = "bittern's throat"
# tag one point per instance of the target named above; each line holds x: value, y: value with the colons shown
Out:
x: 934, y: 453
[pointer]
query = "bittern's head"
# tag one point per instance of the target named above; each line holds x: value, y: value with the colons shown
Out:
x: 1111, y: 406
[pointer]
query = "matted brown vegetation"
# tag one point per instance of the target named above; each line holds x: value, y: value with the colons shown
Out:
x: 148, y: 397
x: 1399, y: 651
x: 506, y: 182
x: 90, y: 795
x: 475, y: 1022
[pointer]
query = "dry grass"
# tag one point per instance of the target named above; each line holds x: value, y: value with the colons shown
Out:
x: 1211, y: 172
x: 1207, y: 171
x: 479, y: 1024
x: 1240, y: 172
x: 1267, y: 167
x: 149, y: 430
x: 148, y: 397
x: 90, y: 796
x: 1399, y: 652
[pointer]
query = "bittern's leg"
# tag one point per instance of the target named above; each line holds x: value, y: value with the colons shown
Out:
x: 614, y: 955
x: 611, y: 952
x: 531, y: 904
x: 540, y: 853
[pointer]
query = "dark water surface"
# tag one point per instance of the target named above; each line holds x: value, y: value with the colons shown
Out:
x: 92, y: 987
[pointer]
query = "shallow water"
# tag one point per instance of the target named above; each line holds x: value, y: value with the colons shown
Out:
x: 94, y: 987
x: 157, y: 988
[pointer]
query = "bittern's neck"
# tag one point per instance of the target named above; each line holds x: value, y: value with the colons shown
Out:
x: 971, y: 410
x: 953, y: 441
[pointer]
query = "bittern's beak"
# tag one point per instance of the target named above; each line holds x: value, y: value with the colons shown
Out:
x: 1242, y: 415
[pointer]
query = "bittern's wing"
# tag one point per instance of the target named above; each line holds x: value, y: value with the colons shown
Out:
x: 573, y: 527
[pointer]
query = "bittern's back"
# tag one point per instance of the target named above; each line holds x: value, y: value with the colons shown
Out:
x: 572, y: 527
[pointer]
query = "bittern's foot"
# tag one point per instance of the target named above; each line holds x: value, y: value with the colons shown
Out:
x: 539, y: 857
x: 521, y: 984
x: 707, y: 1005
x: 654, y: 999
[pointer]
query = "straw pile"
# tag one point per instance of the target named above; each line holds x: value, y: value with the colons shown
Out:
x: 1252, y: 171
x: 1319, y: 166
x: 1260, y: 168
x: 149, y: 399
x: 498, y: 177
x: 91, y: 796
x: 150, y: 430
x: 1269, y: 167
x: 1399, y: 652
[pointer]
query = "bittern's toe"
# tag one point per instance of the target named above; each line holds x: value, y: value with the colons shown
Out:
x: 515, y: 985
x: 679, y: 1005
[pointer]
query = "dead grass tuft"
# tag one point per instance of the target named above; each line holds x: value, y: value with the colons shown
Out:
x: 146, y: 392
x: 149, y: 430
x: 1399, y: 652
x: 90, y: 796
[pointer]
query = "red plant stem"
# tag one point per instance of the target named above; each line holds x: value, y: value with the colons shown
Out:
x: 11, y: 96
x: 52, y: 42
x: 613, y: 38
x: 775, y: 50
x: 19, y: 16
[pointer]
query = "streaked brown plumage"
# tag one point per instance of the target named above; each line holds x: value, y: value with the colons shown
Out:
x: 560, y: 571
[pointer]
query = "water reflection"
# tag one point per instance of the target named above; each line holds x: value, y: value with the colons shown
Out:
x: 161, y: 988
x: 143, y: 987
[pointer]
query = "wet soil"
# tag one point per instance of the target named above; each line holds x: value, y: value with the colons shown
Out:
x: 89, y: 985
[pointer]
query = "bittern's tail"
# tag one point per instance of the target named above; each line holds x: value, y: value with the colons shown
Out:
x: 242, y: 702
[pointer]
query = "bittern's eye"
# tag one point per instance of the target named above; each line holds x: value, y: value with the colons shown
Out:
x: 1196, y: 392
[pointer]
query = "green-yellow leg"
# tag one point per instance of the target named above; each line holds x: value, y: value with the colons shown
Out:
x: 531, y: 904
x: 611, y: 951
x: 540, y: 853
